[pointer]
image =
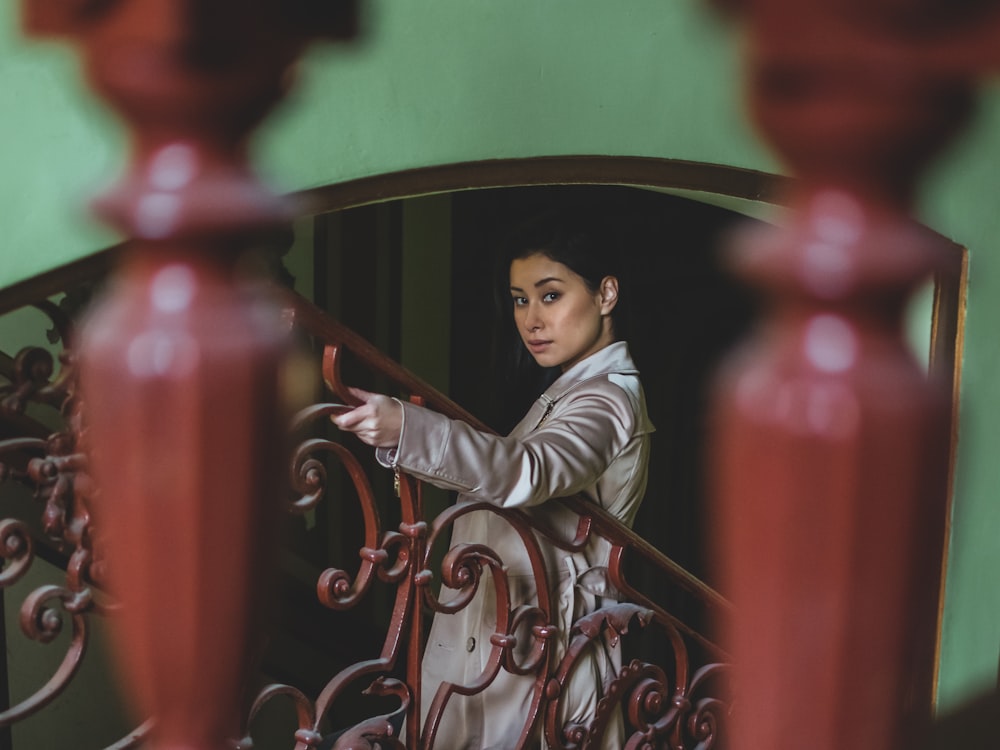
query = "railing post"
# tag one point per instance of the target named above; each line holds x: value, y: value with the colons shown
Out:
x: 829, y: 457
x: 179, y: 363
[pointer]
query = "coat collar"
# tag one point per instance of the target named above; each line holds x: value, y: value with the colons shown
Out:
x: 613, y: 358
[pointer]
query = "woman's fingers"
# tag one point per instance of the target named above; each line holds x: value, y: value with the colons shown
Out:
x: 362, y: 395
x: 378, y: 421
x: 350, y: 420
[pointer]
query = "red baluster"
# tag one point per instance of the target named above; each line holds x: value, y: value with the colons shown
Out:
x: 831, y: 452
x: 180, y: 380
x: 180, y: 363
x: 830, y: 457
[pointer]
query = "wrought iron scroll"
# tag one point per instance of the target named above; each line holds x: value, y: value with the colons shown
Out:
x: 681, y: 704
x: 54, y: 467
x: 660, y: 703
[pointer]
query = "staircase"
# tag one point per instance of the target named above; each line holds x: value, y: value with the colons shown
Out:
x: 350, y: 610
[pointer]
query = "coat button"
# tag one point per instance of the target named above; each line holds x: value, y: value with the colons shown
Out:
x: 470, y: 645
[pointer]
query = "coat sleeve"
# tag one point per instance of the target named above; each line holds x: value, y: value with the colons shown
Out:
x: 564, y: 455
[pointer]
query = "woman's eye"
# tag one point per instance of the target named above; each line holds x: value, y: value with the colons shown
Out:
x: 550, y: 297
x: 520, y: 301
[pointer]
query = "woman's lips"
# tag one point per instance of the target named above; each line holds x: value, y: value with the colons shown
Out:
x: 538, y: 346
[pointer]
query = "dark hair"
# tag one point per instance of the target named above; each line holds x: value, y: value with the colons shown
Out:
x: 577, y: 241
x: 582, y: 238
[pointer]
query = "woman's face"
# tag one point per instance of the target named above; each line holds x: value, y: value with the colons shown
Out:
x: 560, y: 320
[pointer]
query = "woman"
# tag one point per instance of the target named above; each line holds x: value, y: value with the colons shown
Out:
x: 588, y: 433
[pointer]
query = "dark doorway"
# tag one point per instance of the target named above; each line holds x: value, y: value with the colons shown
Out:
x: 684, y: 313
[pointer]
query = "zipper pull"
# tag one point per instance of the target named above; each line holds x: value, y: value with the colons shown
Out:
x: 395, y: 480
x: 549, y: 406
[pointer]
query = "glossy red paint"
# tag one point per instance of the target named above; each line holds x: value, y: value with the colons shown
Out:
x: 829, y: 444
x: 830, y: 450
x: 181, y: 378
x: 180, y: 363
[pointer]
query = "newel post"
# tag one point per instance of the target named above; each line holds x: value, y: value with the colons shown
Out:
x: 829, y: 459
x: 180, y: 362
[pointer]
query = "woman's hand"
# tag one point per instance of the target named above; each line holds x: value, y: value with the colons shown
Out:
x: 378, y: 421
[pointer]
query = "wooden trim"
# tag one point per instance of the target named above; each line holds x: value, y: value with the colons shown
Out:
x: 638, y: 171
x: 948, y: 325
x: 59, y: 279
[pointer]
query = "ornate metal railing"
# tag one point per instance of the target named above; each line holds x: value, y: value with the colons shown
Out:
x: 53, y: 466
x: 864, y: 441
x: 680, y: 702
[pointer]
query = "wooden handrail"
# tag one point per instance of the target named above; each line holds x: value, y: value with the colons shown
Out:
x: 693, y: 681
x: 318, y: 323
x: 315, y: 321
x: 385, y: 555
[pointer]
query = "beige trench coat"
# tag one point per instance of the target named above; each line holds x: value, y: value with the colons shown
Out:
x: 588, y: 433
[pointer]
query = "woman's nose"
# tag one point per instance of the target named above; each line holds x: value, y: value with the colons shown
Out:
x: 532, y: 321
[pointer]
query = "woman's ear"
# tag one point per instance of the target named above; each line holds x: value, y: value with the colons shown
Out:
x: 609, y: 294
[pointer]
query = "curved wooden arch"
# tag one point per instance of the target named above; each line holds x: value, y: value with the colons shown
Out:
x: 948, y: 307
x: 635, y: 171
x: 642, y: 172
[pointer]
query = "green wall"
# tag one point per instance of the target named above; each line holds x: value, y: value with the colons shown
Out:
x: 452, y: 81
x: 56, y: 144
x: 431, y: 83
x: 457, y: 80
x: 960, y: 202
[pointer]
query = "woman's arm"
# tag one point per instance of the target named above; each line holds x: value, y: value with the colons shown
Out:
x: 564, y: 455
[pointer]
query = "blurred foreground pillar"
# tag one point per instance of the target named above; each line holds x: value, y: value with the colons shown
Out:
x: 180, y: 361
x: 829, y: 441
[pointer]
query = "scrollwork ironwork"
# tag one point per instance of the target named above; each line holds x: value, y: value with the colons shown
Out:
x: 706, y: 720
x: 662, y: 708
x: 305, y: 737
x: 55, y: 469
x: 17, y: 550
x: 380, y: 732
x: 43, y: 623
x: 135, y: 738
x: 33, y: 368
